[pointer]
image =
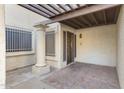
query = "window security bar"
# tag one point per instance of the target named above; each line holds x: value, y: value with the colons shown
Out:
x: 18, y: 39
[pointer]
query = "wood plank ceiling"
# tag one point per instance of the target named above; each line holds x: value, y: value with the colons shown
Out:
x: 104, y: 17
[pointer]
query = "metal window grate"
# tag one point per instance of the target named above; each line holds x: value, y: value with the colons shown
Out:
x: 18, y: 40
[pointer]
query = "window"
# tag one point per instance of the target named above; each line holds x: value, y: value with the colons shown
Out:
x: 18, y: 39
x: 50, y: 43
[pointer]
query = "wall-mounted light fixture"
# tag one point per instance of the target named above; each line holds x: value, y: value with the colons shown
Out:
x: 80, y: 36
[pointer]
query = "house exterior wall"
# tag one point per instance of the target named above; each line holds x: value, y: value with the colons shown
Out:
x: 20, y: 17
x: 97, y: 45
x: 2, y: 47
x: 120, y: 47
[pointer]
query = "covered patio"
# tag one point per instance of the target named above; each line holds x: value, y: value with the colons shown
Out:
x: 76, y: 47
x: 78, y: 17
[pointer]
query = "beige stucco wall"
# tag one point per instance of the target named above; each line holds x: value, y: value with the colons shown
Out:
x: 97, y: 45
x: 13, y: 62
x: 20, y: 17
x: 2, y: 47
x: 120, y: 47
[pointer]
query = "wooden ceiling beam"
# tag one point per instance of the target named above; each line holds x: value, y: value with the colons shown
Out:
x: 94, y: 18
x: 54, y: 8
x: 78, y: 5
x: 77, y: 22
x: 39, y: 9
x: 99, y: 25
x: 80, y: 12
x: 105, y: 18
x: 62, y: 7
x: 74, y: 23
x: 69, y: 6
x: 81, y: 22
x: 116, y: 14
x: 70, y: 24
x: 32, y: 10
x: 47, y: 9
x: 85, y: 21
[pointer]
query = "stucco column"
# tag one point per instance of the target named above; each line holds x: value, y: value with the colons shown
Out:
x: 40, y: 47
x: 41, y: 66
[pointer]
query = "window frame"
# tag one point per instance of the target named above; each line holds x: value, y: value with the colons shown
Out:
x: 18, y: 53
x: 51, y: 55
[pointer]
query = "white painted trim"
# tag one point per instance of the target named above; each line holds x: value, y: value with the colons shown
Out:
x: 11, y: 54
x: 15, y: 27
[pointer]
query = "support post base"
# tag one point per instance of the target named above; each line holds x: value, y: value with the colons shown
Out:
x: 40, y: 70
